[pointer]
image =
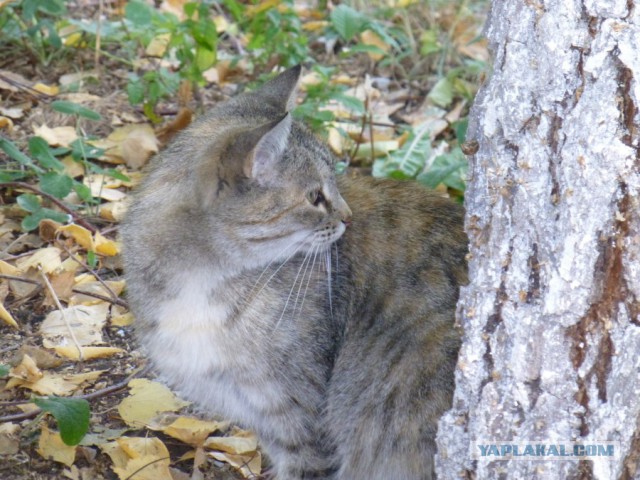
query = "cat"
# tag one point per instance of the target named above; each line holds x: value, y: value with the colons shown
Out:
x: 315, y: 309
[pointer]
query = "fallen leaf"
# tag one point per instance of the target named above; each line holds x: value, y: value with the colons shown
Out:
x: 96, y: 287
x: 7, y: 318
x: 250, y: 465
x: 86, y: 322
x: 26, y: 370
x: 6, y: 122
x: 105, y: 246
x: 147, y: 399
x: 56, y: 383
x: 243, y: 442
x: 139, y: 458
x: 51, y: 90
x: 42, y: 357
x: 113, y: 211
x: 9, y: 438
x: 46, y: 258
x: 371, y: 38
x: 88, y: 353
x: 51, y: 446
x: 191, y: 431
x: 57, y: 136
x: 81, y: 235
x: 158, y: 45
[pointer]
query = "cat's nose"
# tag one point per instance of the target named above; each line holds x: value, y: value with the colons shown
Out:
x: 346, y: 217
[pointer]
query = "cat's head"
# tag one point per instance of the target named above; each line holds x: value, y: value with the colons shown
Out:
x: 267, y: 183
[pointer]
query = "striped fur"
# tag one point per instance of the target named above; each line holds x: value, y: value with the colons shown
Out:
x: 316, y: 310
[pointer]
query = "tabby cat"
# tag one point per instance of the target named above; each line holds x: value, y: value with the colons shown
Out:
x: 316, y: 310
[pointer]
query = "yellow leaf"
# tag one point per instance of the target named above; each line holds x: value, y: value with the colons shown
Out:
x: 116, y: 286
x: 88, y: 353
x: 139, y: 458
x: 123, y: 320
x: 241, y: 444
x: 73, y: 40
x: 56, y: 383
x: 250, y: 465
x: 7, y: 318
x: 315, y: 25
x: 8, y: 269
x: 6, y: 122
x: 158, y: 45
x: 113, y: 211
x: 85, y: 321
x: 51, y: 446
x: 146, y: 400
x: 46, y: 258
x: 107, y: 247
x: 188, y: 430
x: 81, y: 235
x: 26, y: 370
x: 252, y: 10
x: 9, y: 438
x: 58, y: 136
x: 50, y: 90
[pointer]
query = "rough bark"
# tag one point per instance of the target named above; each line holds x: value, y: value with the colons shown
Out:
x: 551, y: 317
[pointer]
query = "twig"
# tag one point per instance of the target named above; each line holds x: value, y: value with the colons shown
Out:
x: 76, y: 218
x: 96, y: 58
x: 88, y: 396
x: 115, y: 301
x: 53, y: 294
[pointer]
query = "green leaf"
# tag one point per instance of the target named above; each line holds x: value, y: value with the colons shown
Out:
x: 449, y: 169
x: 71, y: 108
x: 347, y: 21
x: 138, y: 13
x: 409, y: 160
x: 14, y: 152
x: 55, y: 184
x: 29, y: 202
x: 442, y: 92
x: 429, y: 42
x: 72, y: 415
x: 135, y: 91
x: 39, y: 149
x: 205, y: 58
x: 31, y: 222
x: 52, y: 7
x: 92, y: 259
x: 4, y: 370
x: 83, y: 191
x: 350, y: 102
x: 11, y: 176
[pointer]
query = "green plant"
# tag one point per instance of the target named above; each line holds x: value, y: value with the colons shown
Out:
x: 71, y: 414
x: 32, y: 24
x: 43, y: 164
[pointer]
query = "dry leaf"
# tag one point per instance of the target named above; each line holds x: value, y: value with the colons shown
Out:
x: 7, y: 318
x: 88, y: 353
x: 46, y: 258
x: 250, y: 465
x: 146, y: 458
x: 369, y: 37
x: 113, y: 211
x: 58, y: 136
x: 51, y: 90
x: 26, y: 370
x: 85, y: 321
x: 147, y: 399
x: 43, y: 358
x: 6, y: 122
x: 55, y: 383
x: 158, y: 45
x: 9, y: 438
x: 81, y: 235
x: 133, y: 144
x: 96, y: 287
x: 105, y: 246
x: 103, y: 186
x: 51, y: 446
x: 191, y: 431
x: 243, y: 442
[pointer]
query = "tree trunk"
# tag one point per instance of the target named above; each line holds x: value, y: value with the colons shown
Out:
x: 551, y: 317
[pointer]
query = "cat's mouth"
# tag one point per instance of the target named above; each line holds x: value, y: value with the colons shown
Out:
x: 327, y: 234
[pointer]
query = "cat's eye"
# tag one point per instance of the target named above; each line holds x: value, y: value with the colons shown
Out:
x: 316, y: 197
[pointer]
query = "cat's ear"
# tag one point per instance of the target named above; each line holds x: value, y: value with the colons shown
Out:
x: 260, y: 164
x: 281, y: 91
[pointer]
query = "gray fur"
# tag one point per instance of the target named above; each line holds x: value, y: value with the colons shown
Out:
x: 323, y: 322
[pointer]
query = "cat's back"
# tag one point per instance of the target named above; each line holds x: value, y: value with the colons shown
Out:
x: 400, y: 265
